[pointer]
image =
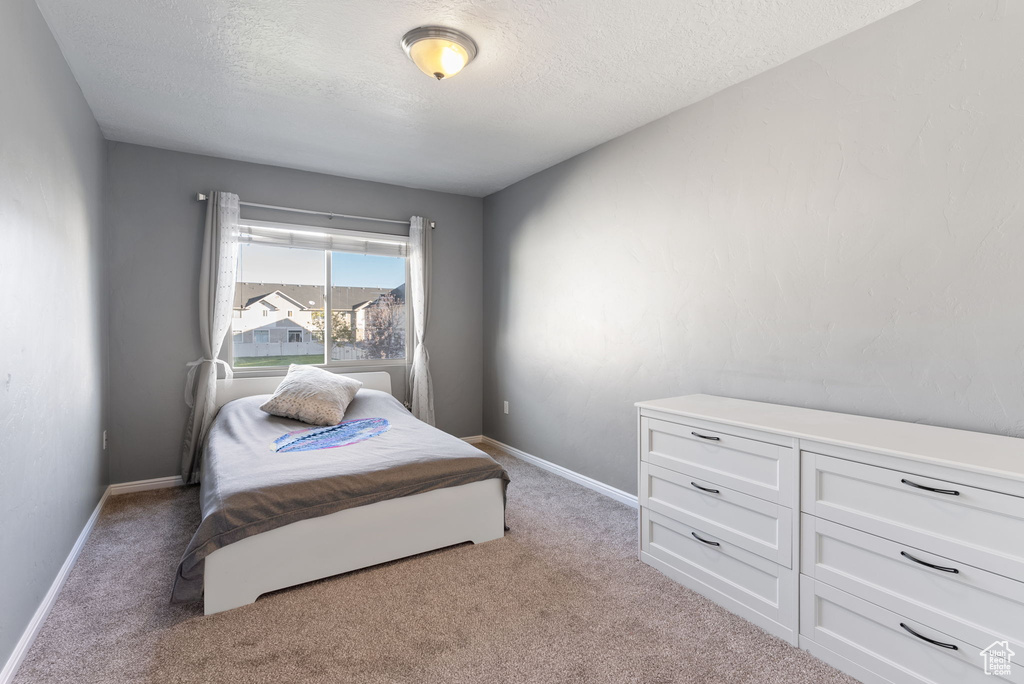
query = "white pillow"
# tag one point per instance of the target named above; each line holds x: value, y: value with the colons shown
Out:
x: 312, y: 395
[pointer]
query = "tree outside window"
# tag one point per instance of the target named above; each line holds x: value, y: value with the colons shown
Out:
x: 385, y: 328
x: 341, y: 331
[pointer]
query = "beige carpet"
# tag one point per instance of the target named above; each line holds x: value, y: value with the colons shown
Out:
x: 562, y: 598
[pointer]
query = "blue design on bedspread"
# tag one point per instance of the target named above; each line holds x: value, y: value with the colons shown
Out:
x: 343, y: 434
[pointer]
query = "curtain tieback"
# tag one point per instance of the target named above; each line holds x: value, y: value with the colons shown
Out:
x: 190, y: 379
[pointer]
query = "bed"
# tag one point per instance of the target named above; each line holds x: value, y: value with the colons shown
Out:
x: 273, y: 520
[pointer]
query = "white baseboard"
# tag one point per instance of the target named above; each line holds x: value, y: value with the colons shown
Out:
x: 588, y: 482
x: 475, y: 439
x: 145, y: 485
x: 28, y: 637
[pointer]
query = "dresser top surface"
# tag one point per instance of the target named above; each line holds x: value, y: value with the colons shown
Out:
x: 991, y: 454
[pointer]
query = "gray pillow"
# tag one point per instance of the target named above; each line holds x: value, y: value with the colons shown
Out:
x: 312, y: 395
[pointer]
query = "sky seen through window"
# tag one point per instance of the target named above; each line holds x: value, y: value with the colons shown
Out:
x: 263, y: 264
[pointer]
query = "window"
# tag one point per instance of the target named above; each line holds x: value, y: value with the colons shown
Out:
x: 368, y: 306
x: 284, y: 272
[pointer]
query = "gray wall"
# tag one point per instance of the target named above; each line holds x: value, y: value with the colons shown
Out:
x: 844, y: 232
x: 155, y: 242
x: 52, y: 353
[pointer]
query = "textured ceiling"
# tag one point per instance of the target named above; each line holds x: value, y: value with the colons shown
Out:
x: 324, y: 85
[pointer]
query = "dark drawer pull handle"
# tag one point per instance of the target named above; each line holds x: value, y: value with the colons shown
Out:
x: 713, y: 439
x: 929, y: 565
x: 951, y: 492
x: 706, y: 489
x: 951, y: 647
x: 705, y: 541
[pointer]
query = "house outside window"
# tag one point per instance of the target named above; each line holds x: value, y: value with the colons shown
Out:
x: 285, y: 278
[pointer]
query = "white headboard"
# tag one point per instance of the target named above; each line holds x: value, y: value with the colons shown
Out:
x: 236, y: 388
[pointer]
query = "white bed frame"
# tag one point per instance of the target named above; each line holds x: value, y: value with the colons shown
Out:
x: 355, y: 538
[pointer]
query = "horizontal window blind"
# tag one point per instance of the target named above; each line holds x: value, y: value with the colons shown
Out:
x: 315, y: 237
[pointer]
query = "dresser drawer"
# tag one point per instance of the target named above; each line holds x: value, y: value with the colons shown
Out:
x: 984, y: 527
x: 746, y: 465
x: 744, y: 582
x: 872, y: 637
x: 969, y: 604
x: 759, y: 526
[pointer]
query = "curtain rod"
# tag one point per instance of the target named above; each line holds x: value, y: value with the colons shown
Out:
x: 329, y: 214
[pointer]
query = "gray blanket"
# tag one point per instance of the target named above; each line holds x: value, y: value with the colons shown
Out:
x: 247, y: 488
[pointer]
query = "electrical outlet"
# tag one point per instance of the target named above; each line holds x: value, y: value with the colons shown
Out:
x: 104, y: 440
x: 506, y: 408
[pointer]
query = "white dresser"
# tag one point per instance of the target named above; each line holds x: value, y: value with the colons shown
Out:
x: 894, y: 551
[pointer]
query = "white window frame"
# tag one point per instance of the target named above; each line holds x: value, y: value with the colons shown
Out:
x: 228, y: 351
x: 265, y: 332
x: 294, y: 330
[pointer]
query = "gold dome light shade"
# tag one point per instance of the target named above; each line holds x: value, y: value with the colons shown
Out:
x: 439, y: 52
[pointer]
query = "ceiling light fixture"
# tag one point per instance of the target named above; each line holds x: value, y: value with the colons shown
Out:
x: 437, y: 51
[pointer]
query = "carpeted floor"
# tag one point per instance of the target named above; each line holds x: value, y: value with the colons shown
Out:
x: 562, y: 598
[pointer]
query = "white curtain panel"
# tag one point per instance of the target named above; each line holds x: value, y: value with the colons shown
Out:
x: 420, y: 386
x: 216, y: 302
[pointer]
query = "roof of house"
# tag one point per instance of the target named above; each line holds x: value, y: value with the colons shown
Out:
x: 257, y: 298
x: 309, y: 296
x: 398, y: 292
